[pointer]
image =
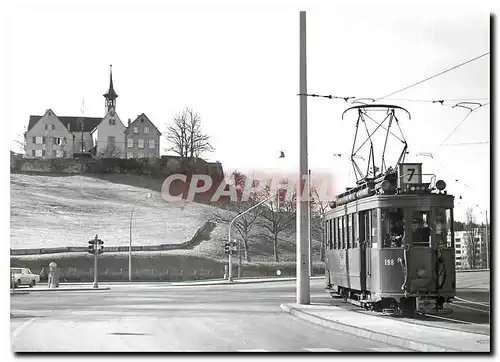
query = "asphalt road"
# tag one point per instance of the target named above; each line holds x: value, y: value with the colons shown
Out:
x: 159, y: 318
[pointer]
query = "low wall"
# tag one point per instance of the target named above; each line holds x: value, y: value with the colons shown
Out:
x: 203, y: 233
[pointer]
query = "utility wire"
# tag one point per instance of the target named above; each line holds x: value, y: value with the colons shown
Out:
x: 434, y: 76
x: 464, y: 143
x: 463, y: 120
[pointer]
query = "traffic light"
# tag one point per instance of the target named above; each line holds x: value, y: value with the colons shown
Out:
x: 96, y: 245
x: 92, y: 246
x: 227, y: 248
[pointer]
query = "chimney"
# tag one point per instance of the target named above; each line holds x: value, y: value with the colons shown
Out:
x: 128, y: 122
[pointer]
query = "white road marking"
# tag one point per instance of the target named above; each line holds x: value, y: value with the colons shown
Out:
x: 388, y: 349
x: 19, y: 329
x: 252, y: 350
x: 320, y: 349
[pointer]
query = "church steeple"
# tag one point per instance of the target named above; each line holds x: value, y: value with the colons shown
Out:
x: 111, y: 94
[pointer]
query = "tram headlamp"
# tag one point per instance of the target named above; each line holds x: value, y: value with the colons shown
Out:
x: 412, y: 188
x: 386, y: 186
x: 440, y: 185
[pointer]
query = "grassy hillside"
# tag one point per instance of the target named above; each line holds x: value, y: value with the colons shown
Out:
x: 48, y: 211
x: 53, y: 211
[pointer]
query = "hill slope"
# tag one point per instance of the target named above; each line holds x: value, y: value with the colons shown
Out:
x: 49, y: 211
x: 54, y: 211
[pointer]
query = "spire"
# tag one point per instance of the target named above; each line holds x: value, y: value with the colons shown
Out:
x: 111, y: 92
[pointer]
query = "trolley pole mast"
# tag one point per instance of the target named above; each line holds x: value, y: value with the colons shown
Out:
x: 303, y: 285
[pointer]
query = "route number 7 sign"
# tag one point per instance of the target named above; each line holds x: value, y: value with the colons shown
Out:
x: 409, y: 173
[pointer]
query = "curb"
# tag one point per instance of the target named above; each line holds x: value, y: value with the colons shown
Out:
x: 366, y: 333
x: 239, y: 281
x: 62, y: 290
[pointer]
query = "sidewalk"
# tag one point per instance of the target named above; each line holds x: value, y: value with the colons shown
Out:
x: 62, y: 288
x: 415, y: 337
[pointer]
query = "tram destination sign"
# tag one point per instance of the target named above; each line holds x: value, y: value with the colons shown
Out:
x: 409, y: 174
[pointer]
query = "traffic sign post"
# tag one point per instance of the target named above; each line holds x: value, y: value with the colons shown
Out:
x: 96, y: 250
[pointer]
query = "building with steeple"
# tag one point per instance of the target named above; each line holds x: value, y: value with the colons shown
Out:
x: 51, y: 136
x: 109, y: 135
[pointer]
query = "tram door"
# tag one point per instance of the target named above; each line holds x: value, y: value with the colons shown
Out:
x: 365, y: 248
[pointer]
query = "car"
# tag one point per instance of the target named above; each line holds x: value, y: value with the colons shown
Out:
x: 23, y: 276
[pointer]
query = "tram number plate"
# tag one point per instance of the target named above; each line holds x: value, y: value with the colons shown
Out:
x: 389, y: 262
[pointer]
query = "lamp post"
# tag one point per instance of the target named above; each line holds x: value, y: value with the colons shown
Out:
x: 282, y: 155
x: 148, y: 195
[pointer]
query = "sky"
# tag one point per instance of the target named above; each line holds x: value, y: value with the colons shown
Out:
x: 238, y: 67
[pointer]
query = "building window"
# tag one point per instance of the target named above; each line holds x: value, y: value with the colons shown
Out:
x: 152, y: 144
x: 135, y: 129
x: 130, y: 142
x: 146, y: 129
x: 59, y: 153
x: 130, y: 155
x: 112, y: 121
x: 46, y: 127
x: 39, y: 140
x: 53, y: 127
x: 141, y: 154
x: 141, y: 143
x: 39, y: 153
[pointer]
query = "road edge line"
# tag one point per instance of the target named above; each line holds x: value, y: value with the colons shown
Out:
x: 366, y: 333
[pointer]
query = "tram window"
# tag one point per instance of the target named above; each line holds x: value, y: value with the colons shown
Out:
x: 367, y: 219
x: 354, y: 230
x: 334, y: 233
x: 339, y: 233
x: 421, y: 232
x: 374, y: 226
x: 441, y: 226
x: 393, y: 231
x: 330, y: 239
x: 347, y: 231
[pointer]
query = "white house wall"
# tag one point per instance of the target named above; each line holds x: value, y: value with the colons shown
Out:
x: 104, y: 130
x: 38, y: 130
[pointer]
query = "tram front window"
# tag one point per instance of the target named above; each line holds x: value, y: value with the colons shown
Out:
x: 441, y: 225
x: 420, y: 227
x: 393, y: 227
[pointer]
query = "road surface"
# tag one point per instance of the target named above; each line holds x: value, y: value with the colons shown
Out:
x: 159, y: 318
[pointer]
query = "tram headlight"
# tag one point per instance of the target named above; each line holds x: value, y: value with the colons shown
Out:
x: 440, y: 185
x: 386, y: 185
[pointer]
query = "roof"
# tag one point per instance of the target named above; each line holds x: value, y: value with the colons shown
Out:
x: 89, y: 123
x: 111, y: 94
x: 142, y: 115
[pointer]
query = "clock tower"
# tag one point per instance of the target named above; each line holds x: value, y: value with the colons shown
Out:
x: 110, y: 105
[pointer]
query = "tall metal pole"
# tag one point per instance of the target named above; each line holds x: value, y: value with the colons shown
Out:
x: 230, y: 276
x: 303, y: 292
x: 130, y: 247
x: 96, y: 272
x: 487, y: 246
x: 309, y: 229
x: 239, y: 257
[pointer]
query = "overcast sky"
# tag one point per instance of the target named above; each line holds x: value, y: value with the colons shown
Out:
x: 238, y: 67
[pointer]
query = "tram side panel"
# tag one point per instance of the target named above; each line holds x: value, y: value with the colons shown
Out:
x: 354, y: 268
x: 389, y: 275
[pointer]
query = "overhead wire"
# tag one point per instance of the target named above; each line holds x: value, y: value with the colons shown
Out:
x: 434, y: 76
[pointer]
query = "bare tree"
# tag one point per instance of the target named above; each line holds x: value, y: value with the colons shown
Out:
x: 278, y: 215
x: 472, y: 247
x: 244, y: 223
x: 111, y: 151
x: 186, y: 137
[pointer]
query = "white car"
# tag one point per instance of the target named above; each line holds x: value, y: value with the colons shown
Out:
x: 23, y: 276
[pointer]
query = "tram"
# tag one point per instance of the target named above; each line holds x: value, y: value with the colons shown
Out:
x: 389, y: 239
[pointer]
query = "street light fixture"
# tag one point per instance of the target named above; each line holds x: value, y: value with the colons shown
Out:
x: 148, y: 195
